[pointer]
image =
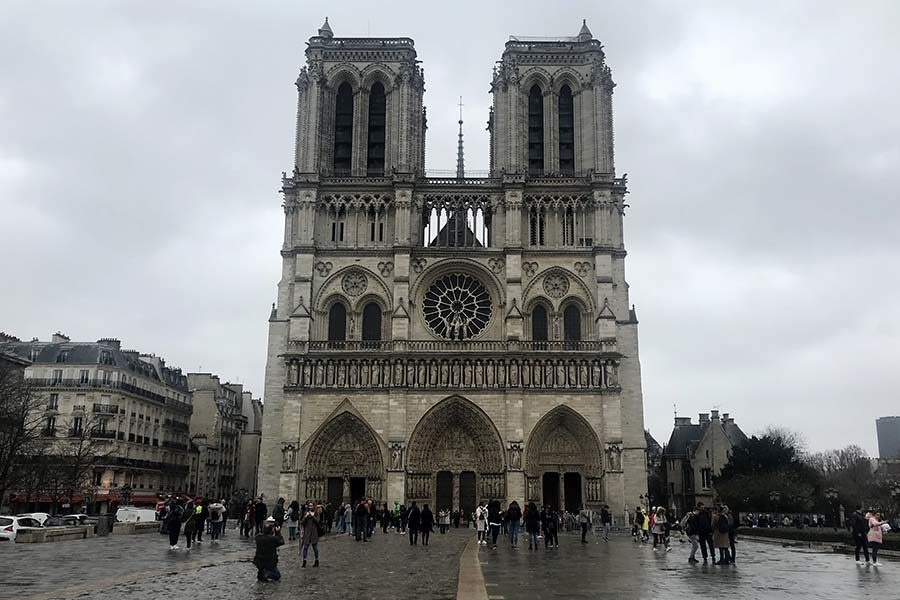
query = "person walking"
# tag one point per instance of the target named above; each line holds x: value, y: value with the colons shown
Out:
x: 532, y: 525
x: 605, y: 521
x: 347, y: 525
x: 721, y: 525
x: 266, y: 557
x: 514, y: 520
x: 310, y: 525
x: 494, y: 520
x: 732, y: 534
x: 278, y: 513
x: 689, y: 527
x: 426, y: 524
x: 404, y: 513
x: 216, y: 519
x: 260, y: 512
x: 875, y: 536
x: 705, y: 533
x: 550, y: 523
x: 660, y: 529
x: 413, y: 520
x: 172, y: 521
x: 481, y: 523
x: 456, y: 517
x: 584, y: 520
x: 189, y: 523
x: 859, y: 528
x: 292, y: 517
x: 385, y: 518
x: 360, y: 516
x: 202, y: 512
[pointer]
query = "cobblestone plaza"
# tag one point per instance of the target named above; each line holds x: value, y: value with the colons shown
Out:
x: 142, y: 568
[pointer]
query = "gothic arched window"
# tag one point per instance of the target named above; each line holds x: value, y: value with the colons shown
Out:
x: 539, y: 323
x: 371, y: 322
x: 337, y: 323
x: 343, y: 130
x: 566, y: 132
x: 535, y: 131
x: 377, y: 113
x: 572, y: 323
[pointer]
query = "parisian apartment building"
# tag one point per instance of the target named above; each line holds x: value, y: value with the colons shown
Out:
x: 152, y: 429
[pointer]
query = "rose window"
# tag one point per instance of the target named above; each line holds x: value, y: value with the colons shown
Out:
x: 457, y: 307
x: 556, y: 285
x: 354, y: 283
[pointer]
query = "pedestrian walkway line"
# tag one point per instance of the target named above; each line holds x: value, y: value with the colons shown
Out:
x: 471, y: 581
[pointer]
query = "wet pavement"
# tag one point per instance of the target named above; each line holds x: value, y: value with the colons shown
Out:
x: 624, y: 570
x: 141, y: 567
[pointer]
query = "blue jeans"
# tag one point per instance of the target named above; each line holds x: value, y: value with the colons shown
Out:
x: 315, y: 548
x: 272, y: 574
x: 514, y: 533
x: 216, y: 530
x: 532, y: 539
x: 292, y: 533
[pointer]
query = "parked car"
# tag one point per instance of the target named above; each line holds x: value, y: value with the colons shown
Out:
x: 134, y: 514
x: 11, y: 526
x: 40, y: 517
x: 80, y: 519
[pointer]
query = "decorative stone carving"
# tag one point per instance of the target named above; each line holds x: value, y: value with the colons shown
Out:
x: 583, y: 268
x: 288, y: 458
x: 529, y: 268
x: 354, y: 283
x: 496, y: 264
x: 457, y: 307
x: 534, y: 489
x: 563, y: 437
x: 556, y: 285
x: 385, y: 268
x: 315, y: 489
x: 594, y: 488
x: 515, y: 456
x: 613, y: 457
x: 324, y: 268
x: 611, y: 372
x: 418, y: 264
x: 344, y: 446
x: 396, y: 456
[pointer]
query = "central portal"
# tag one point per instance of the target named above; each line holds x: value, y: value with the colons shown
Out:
x: 444, y: 491
x: 467, y: 494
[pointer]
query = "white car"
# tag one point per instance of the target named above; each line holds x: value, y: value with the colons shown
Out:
x: 38, y: 516
x: 81, y: 519
x: 11, y: 526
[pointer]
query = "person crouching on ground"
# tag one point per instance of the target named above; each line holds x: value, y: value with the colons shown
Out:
x: 266, y: 557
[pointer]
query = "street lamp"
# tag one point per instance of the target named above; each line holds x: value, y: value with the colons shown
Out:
x: 831, y: 495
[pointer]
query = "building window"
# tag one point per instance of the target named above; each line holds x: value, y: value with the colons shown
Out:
x: 107, y: 377
x: 98, y: 478
x: 377, y: 114
x: 337, y: 323
x: 337, y: 225
x: 572, y: 323
x: 85, y: 376
x: 77, y: 426
x: 539, y: 323
x: 535, y: 131
x: 57, y: 377
x: 566, y: 132
x: 62, y: 356
x: 706, y: 478
x: 536, y: 225
x: 53, y: 403
x: 343, y: 130
x: 371, y: 325
x: 50, y: 427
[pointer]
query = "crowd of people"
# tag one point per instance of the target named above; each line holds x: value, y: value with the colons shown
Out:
x: 868, y: 531
x: 193, y: 517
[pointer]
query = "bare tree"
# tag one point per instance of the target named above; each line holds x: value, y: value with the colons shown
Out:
x: 74, y: 458
x: 20, y: 427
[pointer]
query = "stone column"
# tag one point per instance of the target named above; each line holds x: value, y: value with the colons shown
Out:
x: 455, y: 491
x: 346, y: 490
x: 562, y: 490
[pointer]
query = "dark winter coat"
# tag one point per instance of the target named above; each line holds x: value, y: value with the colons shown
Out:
x: 260, y: 512
x: 266, y: 556
x: 704, y: 525
x: 414, y: 518
x: 309, y: 525
x: 514, y: 514
x: 426, y: 521
x: 532, y: 521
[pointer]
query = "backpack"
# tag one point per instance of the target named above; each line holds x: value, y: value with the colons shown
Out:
x: 723, y: 524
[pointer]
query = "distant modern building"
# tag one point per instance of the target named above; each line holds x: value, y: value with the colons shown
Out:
x: 888, y: 429
x: 696, y: 453
x: 129, y: 408
x: 218, y: 428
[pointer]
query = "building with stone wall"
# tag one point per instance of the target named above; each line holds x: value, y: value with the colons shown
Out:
x: 888, y: 429
x: 454, y: 339
x: 251, y: 435
x: 216, y: 431
x: 695, y: 454
x: 129, y: 407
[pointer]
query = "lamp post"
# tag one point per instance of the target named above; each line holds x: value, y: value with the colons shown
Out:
x: 831, y: 495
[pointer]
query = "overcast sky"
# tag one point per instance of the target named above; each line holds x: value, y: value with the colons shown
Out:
x: 141, y: 147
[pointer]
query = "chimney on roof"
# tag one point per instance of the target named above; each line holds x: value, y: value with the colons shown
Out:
x: 59, y: 338
x: 725, y: 417
x: 682, y: 421
x: 111, y: 342
x: 704, y: 418
x: 715, y: 415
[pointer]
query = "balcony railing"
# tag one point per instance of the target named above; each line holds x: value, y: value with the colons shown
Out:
x: 593, y: 346
x: 106, y: 409
x: 134, y: 463
x: 103, y: 435
x: 112, y: 385
x: 174, y: 445
x: 176, y: 425
x: 48, y: 432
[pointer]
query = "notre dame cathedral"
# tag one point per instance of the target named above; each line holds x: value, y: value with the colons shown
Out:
x: 454, y: 339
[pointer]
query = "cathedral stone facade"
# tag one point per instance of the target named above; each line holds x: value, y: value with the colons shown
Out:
x: 457, y: 339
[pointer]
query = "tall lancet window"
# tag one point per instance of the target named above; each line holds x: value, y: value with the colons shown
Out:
x: 566, y: 132
x: 343, y: 130
x: 377, y: 112
x: 535, y: 131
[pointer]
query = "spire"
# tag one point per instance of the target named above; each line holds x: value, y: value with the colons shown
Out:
x: 585, y: 34
x: 325, y: 30
x: 460, y: 161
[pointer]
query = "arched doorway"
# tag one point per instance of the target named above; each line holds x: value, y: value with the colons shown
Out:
x: 455, y: 446
x: 344, y: 462
x: 563, y: 461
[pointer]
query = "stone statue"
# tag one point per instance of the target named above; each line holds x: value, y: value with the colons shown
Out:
x: 583, y: 375
x: 515, y: 457
x: 612, y: 377
x: 489, y: 374
x: 479, y: 374
x: 396, y: 457
x: 514, y: 374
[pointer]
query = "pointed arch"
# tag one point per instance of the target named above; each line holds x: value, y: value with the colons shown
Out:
x: 566, y: 128
x: 343, y: 129
x: 344, y: 445
x: 563, y: 440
